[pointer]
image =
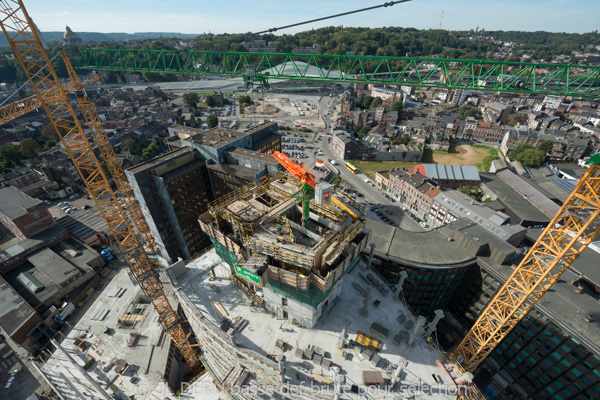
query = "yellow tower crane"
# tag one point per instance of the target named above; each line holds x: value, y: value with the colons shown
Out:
x: 575, y: 225
x: 27, y: 46
x: 23, y: 106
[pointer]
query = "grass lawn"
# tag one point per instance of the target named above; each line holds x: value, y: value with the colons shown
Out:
x: 478, y: 155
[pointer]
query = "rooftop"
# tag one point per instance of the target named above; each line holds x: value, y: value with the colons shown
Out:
x: 84, y: 224
x: 566, y: 307
x: 50, y: 269
x: 424, y: 249
x: 15, y: 203
x: 451, y: 172
x: 253, y: 154
x: 235, y: 169
x: 465, y: 207
x: 147, y: 358
x: 159, y: 160
x: 512, y: 200
x: 260, y: 332
x: 215, y: 137
x: 534, y: 196
x: 13, y: 309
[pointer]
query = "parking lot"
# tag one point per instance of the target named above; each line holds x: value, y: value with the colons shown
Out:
x: 80, y: 208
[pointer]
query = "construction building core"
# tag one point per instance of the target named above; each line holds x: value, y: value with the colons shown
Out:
x: 261, y: 231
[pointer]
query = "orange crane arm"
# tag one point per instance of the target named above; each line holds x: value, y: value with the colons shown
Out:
x: 297, y: 171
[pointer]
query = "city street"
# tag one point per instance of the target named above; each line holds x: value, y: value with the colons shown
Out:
x: 357, y: 181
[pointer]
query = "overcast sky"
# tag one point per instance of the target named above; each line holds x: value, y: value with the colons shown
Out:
x: 240, y: 16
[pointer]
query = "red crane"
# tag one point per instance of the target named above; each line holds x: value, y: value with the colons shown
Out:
x: 307, y: 179
x: 297, y: 171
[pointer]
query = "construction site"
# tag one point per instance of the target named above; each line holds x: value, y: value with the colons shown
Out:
x: 288, y: 303
x: 279, y: 241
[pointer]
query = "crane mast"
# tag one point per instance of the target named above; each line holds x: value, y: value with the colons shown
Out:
x: 571, y: 230
x: 92, y: 120
x: 307, y: 180
x: 27, y: 46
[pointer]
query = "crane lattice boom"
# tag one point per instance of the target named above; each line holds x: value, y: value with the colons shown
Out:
x: 28, y: 104
x: 566, y: 236
x: 26, y: 44
x: 297, y: 171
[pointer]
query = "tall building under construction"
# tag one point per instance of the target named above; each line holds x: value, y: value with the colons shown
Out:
x: 258, y: 230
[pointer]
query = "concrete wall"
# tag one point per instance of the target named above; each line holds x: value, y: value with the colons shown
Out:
x: 304, y: 314
x: 398, y: 156
x: 261, y: 167
x: 142, y: 186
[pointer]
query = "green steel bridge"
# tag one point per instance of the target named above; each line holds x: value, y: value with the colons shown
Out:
x: 260, y: 68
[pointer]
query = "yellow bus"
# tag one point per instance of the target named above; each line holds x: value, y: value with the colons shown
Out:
x: 352, y: 168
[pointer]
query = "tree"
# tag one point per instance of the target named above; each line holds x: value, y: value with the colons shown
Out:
x: 129, y: 145
x: 466, y: 111
x: 398, y: 105
x: 191, y: 99
x: 376, y: 102
x: 212, y: 121
x: 11, y: 153
x: 244, y: 99
x: 364, y: 101
x: 111, y: 77
x: 532, y: 158
x: 546, y: 147
x: 49, y: 132
x: 471, y: 191
x: 360, y: 131
x: 210, y: 101
x: 150, y: 151
x: 528, y: 155
x: 29, y: 147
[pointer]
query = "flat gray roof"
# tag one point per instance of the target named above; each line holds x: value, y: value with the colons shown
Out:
x: 537, y: 198
x: 234, y: 169
x: 563, y: 305
x: 15, y: 203
x: 454, y: 172
x: 423, y: 249
x: 254, y: 154
x: 158, y: 160
x: 24, y: 245
x: 513, y: 200
x: 14, y: 311
x: 463, y: 206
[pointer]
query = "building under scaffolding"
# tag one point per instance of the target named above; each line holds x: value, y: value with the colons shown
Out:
x: 295, y: 270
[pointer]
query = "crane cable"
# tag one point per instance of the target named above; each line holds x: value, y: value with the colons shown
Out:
x: 387, y: 4
x: 270, y: 30
x: 27, y: 82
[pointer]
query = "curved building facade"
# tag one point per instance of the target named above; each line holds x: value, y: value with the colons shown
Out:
x: 435, y: 263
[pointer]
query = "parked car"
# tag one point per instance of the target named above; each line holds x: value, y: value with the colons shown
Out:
x: 423, y: 224
x: 47, y: 202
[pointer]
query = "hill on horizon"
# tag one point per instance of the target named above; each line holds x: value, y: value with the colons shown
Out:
x: 53, y: 36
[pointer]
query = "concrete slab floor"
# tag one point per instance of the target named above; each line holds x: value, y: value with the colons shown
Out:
x: 264, y: 330
x: 146, y: 358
